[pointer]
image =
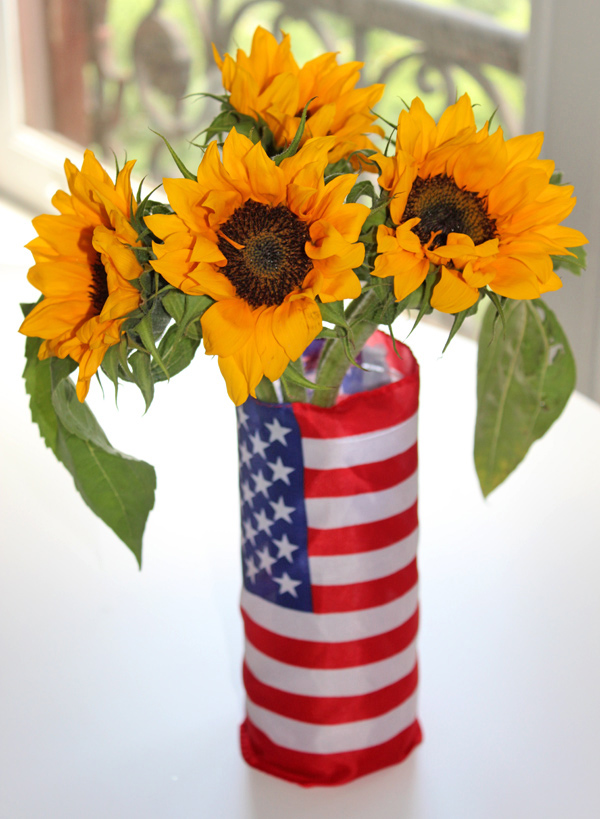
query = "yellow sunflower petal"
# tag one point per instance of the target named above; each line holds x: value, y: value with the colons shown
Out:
x: 295, y: 324
x: 273, y: 357
x: 452, y: 294
x: 227, y: 326
x: 266, y: 180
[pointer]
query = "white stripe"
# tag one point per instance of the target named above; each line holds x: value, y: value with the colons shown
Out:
x: 366, y: 507
x: 330, y: 628
x: 366, y: 448
x: 340, y: 570
x: 330, y: 682
x: 333, y: 739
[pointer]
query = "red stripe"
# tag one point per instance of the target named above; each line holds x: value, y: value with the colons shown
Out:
x: 362, y: 412
x: 324, y: 769
x: 350, y: 654
x: 330, y: 710
x: 358, y: 596
x: 363, y: 537
x: 373, y: 477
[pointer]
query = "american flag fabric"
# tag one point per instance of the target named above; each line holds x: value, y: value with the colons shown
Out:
x: 329, y: 598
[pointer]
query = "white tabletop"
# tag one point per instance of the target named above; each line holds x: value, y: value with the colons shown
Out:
x: 120, y: 690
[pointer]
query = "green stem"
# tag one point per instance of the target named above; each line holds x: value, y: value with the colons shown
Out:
x: 265, y: 392
x: 290, y: 390
x: 333, y: 363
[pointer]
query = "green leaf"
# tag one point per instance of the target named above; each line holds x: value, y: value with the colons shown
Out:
x: 524, y: 379
x: 38, y: 386
x: 174, y: 303
x: 176, y: 350
x: 184, y: 171
x: 363, y: 188
x: 292, y: 375
x: 145, y: 331
x: 295, y: 143
x: 327, y: 332
x: 425, y: 305
x: 265, y: 391
x: 459, y: 320
x: 119, y: 489
x: 110, y: 366
x: 194, y: 307
x: 375, y: 218
x: 333, y: 313
x: 142, y: 373
x: 574, y: 264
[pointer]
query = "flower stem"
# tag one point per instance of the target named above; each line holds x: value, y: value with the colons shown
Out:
x: 333, y: 363
x: 265, y: 391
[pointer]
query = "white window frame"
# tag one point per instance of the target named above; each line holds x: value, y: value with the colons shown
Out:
x: 563, y: 66
x: 31, y: 161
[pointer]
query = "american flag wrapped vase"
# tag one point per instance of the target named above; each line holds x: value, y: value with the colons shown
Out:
x: 329, y: 599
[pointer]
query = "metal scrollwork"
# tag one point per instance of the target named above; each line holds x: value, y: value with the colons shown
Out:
x: 433, y: 43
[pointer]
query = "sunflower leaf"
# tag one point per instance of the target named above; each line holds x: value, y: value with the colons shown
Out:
x: 145, y: 331
x: 295, y: 143
x: 110, y: 366
x: 294, y: 383
x: 574, y: 264
x: 524, y: 379
x: 459, y: 320
x: 174, y: 303
x: 363, y: 188
x: 142, y: 373
x: 119, y: 489
x: 125, y: 372
x: 195, y: 306
x: 498, y: 302
x: 425, y: 306
x: 38, y: 386
x: 176, y: 350
x: 333, y: 313
x: 327, y: 332
x: 293, y: 375
x: 179, y: 162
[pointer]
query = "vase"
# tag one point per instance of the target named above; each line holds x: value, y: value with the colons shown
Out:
x: 329, y: 599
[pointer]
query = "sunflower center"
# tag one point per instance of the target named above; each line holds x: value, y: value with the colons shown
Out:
x: 444, y: 208
x: 271, y: 261
x: 98, y: 289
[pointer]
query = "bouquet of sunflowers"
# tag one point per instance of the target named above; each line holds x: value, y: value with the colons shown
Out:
x: 296, y: 227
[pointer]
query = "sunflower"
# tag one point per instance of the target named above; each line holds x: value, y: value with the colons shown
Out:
x: 268, y: 84
x: 263, y: 240
x: 83, y: 267
x: 479, y: 207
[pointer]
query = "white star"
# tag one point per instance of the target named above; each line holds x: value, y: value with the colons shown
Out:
x: 285, y: 549
x: 242, y: 417
x: 282, y: 512
x: 263, y: 522
x: 251, y: 569
x: 277, y: 432
x: 245, y: 456
x: 261, y: 484
x: 280, y: 471
x: 247, y: 493
x: 249, y: 531
x: 286, y: 584
x: 265, y: 560
x: 258, y: 445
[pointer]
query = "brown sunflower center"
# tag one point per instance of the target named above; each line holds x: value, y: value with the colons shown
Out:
x: 98, y: 289
x: 444, y: 208
x: 271, y: 261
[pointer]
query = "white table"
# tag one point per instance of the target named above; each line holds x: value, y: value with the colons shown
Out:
x: 120, y: 691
